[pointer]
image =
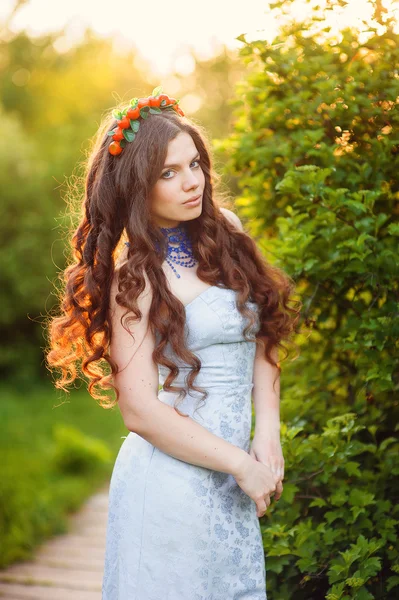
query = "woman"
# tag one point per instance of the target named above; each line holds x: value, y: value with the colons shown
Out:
x: 191, y: 304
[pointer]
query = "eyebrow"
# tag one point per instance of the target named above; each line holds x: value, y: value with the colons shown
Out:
x: 176, y: 165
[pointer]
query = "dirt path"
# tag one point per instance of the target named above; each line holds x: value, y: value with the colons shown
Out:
x: 67, y: 567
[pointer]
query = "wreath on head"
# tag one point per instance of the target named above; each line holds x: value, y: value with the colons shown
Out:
x: 128, y: 119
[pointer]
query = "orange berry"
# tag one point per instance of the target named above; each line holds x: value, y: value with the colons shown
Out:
x: 143, y: 102
x: 124, y: 123
x: 133, y: 113
x: 118, y: 135
x: 115, y: 148
x: 154, y: 101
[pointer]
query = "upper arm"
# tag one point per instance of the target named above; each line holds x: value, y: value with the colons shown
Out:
x: 232, y: 217
x: 138, y: 380
x: 263, y: 372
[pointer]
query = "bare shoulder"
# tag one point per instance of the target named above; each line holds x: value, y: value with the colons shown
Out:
x: 144, y: 299
x: 232, y: 217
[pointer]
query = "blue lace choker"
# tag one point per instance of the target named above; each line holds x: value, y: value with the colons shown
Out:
x: 182, y: 254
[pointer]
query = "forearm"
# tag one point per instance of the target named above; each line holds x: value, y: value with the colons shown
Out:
x: 187, y: 440
x: 267, y: 411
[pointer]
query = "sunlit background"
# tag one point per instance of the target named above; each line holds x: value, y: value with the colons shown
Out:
x: 166, y: 34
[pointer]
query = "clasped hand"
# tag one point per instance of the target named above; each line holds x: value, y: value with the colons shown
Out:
x: 266, y: 448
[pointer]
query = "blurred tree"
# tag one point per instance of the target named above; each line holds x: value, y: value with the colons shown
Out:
x: 47, y: 121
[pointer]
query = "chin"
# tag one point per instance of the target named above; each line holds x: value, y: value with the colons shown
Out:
x: 193, y: 214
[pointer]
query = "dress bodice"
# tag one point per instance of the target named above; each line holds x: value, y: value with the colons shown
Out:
x: 214, y: 332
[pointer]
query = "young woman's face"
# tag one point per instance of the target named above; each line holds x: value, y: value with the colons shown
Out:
x: 181, y: 179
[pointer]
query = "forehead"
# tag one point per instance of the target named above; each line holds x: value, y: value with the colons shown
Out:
x: 180, y: 147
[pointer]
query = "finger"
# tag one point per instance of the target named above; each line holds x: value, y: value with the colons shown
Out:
x: 261, y: 508
x: 279, y: 490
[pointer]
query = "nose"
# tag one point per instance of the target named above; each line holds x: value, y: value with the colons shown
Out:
x: 191, y: 180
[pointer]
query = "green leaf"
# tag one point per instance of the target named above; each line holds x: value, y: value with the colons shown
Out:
x: 155, y: 110
x: 117, y: 114
x: 129, y: 135
x: 371, y: 566
x: 385, y: 443
x: 144, y: 111
x: 134, y: 124
x: 316, y: 502
x: 290, y: 490
x: 293, y: 431
x: 393, y: 228
x: 352, y: 468
x: 356, y: 207
x: 392, y: 582
x: 112, y: 132
x: 355, y: 581
x: 134, y: 102
x: 380, y: 220
x: 122, y: 143
x: 336, y: 592
x: 307, y: 266
x: 157, y: 91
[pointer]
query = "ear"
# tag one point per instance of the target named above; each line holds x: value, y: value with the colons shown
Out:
x: 232, y: 217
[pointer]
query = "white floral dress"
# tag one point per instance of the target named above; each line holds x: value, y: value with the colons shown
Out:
x: 177, y: 531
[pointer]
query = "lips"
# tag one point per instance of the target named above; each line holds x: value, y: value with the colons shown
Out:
x: 192, y: 199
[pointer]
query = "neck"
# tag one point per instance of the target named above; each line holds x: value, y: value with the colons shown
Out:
x: 167, y: 224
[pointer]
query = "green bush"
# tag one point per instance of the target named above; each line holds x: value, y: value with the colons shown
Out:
x: 316, y: 155
x: 77, y: 453
x: 28, y: 512
x: 333, y: 532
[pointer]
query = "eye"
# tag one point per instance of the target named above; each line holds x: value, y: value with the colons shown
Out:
x: 170, y: 170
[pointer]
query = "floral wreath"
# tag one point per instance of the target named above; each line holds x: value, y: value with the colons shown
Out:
x: 128, y: 119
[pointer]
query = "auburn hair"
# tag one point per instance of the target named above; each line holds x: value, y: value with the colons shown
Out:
x: 115, y: 208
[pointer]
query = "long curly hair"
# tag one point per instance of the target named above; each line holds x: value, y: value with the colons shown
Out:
x: 115, y: 208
